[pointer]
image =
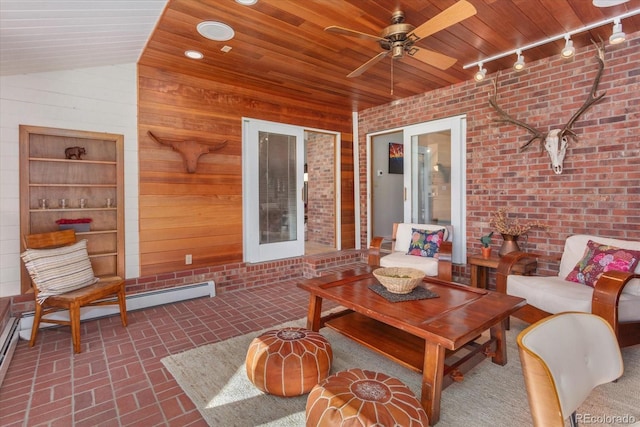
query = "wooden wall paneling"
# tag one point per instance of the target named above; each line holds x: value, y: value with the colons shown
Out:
x: 201, y: 214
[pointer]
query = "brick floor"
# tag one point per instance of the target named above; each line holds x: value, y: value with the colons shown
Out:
x: 118, y: 379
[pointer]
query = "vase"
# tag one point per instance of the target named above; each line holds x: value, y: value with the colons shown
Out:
x: 509, y: 244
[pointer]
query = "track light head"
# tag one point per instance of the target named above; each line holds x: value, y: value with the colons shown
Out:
x: 617, y: 35
x: 519, y: 64
x: 480, y: 74
x: 568, y: 50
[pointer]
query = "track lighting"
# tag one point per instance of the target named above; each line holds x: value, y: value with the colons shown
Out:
x: 480, y: 74
x: 617, y: 36
x: 568, y: 50
x: 519, y: 64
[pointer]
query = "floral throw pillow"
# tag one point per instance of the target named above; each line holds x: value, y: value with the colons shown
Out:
x: 598, y: 259
x: 425, y: 243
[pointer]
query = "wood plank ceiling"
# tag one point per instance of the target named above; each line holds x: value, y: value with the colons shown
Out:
x: 282, y: 44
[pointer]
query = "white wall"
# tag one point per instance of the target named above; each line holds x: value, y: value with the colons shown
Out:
x: 100, y: 99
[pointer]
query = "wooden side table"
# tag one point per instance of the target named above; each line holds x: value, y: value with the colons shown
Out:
x: 480, y: 268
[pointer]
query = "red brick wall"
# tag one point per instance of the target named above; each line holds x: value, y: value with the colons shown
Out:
x: 599, y: 189
x: 321, y: 227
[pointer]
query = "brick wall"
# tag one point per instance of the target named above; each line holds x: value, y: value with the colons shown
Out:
x: 321, y: 226
x: 599, y: 189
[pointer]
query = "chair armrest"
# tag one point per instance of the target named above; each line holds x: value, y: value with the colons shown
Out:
x: 374, y: 250
x: 507, y: 262
x: 606, y: 295
x: 445, y: 268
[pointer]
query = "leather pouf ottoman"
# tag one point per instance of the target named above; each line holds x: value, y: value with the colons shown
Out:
x: 288, y: 362
x: 357, y: 397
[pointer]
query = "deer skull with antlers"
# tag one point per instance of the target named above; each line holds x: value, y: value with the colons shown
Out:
x: 555, y: 141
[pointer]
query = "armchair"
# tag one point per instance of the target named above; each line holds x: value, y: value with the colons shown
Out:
x: 63, y: 279
x: 401, y: 238
x: 615, y: 295
x: 564, y: 357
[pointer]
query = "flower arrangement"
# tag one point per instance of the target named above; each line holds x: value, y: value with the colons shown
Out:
x: 505, y: 225
x: 74, y: 221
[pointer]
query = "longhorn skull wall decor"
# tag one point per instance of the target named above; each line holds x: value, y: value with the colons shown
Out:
x: 555, y: 141
x: 190, y: 150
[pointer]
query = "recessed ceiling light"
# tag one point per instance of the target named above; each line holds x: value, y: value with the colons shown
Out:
x: 606, y: 3
x: 226, y: 49
x: 214, y: 30
x: 247, y: 2
x: 193, y: 54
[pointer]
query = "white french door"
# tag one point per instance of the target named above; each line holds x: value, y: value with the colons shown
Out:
x: 434, y: 177
x: 273, y: 209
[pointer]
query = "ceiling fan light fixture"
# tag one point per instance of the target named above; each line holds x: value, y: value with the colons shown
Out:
x: 397, y: 50
x: 217, y: 31
x: 568, y: 50
x: 519, y: 64
x: 617, y: 35
x: 480, y: 74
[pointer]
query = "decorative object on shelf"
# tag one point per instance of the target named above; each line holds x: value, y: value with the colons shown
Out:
x: 62, y: 203
x: 82, y: 203
x: 74, y: 153
x: 511, y: 229
x: 42, y: 203
x: 108, y: 203
x: 190, y: 150
x: 80, y: 225
x: 509, y: 244
x: 555, y: 141
x: 486, y: 241
x: 399, y: 280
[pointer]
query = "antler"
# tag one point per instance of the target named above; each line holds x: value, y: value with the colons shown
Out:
x: 592, y: 98
x: 508, y: 119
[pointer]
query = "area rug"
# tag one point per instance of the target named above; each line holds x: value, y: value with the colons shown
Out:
x: 214, y: 378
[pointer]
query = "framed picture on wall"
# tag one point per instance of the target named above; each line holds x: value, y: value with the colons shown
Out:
x: 396, y: 158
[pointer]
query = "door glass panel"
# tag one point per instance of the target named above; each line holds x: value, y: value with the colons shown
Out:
x: 431, y: 178
x: 277, y: 188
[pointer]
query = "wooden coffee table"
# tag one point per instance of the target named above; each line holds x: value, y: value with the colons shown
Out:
x: 439, y: 337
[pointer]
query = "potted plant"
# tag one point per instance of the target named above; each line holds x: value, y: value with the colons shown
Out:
x: 486, y: 241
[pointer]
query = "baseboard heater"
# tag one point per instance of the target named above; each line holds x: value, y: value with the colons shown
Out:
x: 8, y: 343
x: 134, y: 302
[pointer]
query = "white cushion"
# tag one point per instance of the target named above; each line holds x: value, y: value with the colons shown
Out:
x: 399, y: 259
x: 59, y: 270
x: 575, y: 246
x: 555, y: 295
x: 405, y: 232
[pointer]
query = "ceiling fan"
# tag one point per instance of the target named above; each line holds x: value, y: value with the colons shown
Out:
x: 399, y: 38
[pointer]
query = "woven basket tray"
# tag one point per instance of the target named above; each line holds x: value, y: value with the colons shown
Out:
x: 399, y: 280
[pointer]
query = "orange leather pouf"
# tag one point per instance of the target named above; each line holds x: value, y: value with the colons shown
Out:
x: 288, y: 362
x: 357, y: 397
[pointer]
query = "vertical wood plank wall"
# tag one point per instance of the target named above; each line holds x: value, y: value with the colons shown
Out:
x: 201, y: 213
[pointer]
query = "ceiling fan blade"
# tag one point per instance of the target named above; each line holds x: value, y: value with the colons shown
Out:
x: 454, y: 14
x: 352, y: 33
x: 430, y: 57
x: 364, y: 67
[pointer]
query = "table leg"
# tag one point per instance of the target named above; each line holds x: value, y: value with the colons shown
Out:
x: 432, y: 375
x: 478, y: 276
x: 314, y: 313
x: 498, y: 333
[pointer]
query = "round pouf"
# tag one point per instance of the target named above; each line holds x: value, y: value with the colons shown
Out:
x: 357, y: 397
x: 288, y: 362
